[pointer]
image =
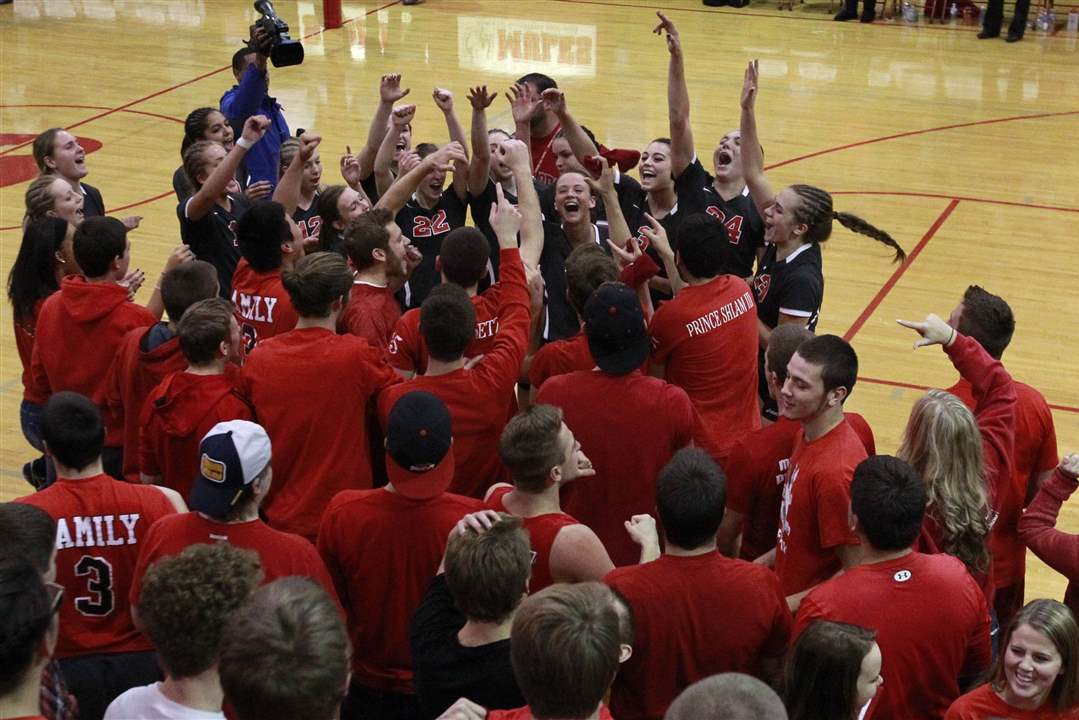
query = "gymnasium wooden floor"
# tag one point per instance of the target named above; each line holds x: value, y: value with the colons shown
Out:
x: 963, y: 149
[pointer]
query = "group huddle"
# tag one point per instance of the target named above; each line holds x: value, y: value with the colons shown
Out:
x: 580, y: 457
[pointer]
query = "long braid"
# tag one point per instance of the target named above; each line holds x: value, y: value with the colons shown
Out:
x: 195, y: 127
x: 816, y: 211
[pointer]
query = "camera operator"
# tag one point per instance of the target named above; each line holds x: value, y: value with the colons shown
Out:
x: 251, y: 97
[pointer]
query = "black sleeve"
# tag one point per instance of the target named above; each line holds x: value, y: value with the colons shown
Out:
x: 181, y: 185
x: 436, y: 618
x: 631, y: 197
x: 692, y: 178
x: 545, y: 191
x: 801, y: 291
x: 370, y: 187
x: 93, y: 205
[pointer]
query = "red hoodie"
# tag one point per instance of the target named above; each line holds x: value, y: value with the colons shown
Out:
x: 177, y: 415
x: 138, y: 369
x: 78, y: 334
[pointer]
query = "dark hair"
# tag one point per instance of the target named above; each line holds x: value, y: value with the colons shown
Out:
x: 239, y: 58
x: 328, y: 235
x: 43, y: 147
x: 195, y: 125
x: 447, y: 322
x: 691, y: 494
x: 821, y: 678
x: 835, y: 357
x: 541, y: 81
x: 99, y: 241
x: 33, y: 275
x: 889, y: 498
x: 529, y: 446
x: 72, y: 429
x: 187, y: 284
x: 988, y: 319
x: 562, y: 134
x: 815, y: 210
x: 464, y: 255
x: 25, y: 617
x: 185, y: 602
x: 316, y: 282
x: 366, y: 234
x: 587, y: 267
x: 565, y: 645
x: 783, y: 342
x: 29, y: 532
x: 704, y: 246
x: 284, y: 654
x: 425, y: 149
x: 260, y: 233
x: 487, y: 573
x: 203, y: 328
x: 727, y: 696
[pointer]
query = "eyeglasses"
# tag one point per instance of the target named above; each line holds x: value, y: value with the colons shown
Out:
x: 56, y: 595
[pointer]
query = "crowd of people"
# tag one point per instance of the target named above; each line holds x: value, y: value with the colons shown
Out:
x: 581, y: 457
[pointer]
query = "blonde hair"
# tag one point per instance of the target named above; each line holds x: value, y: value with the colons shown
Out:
x: 289, y: 148
x: 39, y: 198
x: 942, y: 442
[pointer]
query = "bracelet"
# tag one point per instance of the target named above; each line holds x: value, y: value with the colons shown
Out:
x: 244, y: 143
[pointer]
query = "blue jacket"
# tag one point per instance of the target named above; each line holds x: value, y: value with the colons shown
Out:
x: 250, y: 98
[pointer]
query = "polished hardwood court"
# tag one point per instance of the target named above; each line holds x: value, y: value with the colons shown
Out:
x: 964, y: 150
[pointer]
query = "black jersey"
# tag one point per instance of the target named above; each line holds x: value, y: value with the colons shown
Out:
x: 481, y: 217
x: 213, y: 237
x: 744, y: 225
x: 634, y: 206
x: 370, y: 188
x: 310, y: 221
x: 92, y: 204
x: 560, y: 319
x: 792, y: 286
x: 426, y: 229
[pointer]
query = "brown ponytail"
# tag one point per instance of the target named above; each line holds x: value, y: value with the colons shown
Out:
x: 860, y: 226
x: 815, y: 210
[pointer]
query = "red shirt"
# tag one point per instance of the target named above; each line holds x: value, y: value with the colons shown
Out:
x: 24, y: 344
x: 932, y: 624
x: 99, y: 525
x: 371, y: 313
x: 281, y: 554
x: 525, y: 713
x: 813, y: 516
x: 481, y: 400
x: 134, y: 375
x: 87, y: 321
x: 542, y: 532
x: 982, y: 703
x: 176, y: 416
x: 408, y: 351
x: 263, y: 307
x: 544, y: 165
x: 678, y: 636
x: 756, y: 468
x: 629, y: 426
x: 1035, y: 452
x: 382, y: 551
x: 309, y: 388
x: 1059, y: 550
x: 559, y: 358
x: 706, y: 337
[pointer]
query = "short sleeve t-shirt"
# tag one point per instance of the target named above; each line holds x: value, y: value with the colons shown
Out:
x: 560, y: 357
x: 309, y: 222
x: 792, y: 286
x: 983, y: 703
x: 371, y: 313
x: 149, y: 702
x: 426, y: 229
x: 407, y: 351
x: 213, y: 237
x: 263, y: 306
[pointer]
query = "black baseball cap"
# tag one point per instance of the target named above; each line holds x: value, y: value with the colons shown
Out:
x: 419, y: 446
x: 615, y: 328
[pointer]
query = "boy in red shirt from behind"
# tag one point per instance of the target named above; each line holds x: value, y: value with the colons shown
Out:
x: 80, y: 328
x: 930, y: 616
x: 310, y: 388
x: 814, y: 540
x: 148, y: 355
x: 673, y: 599
x: 100, y: 524
x: 383, y: 548
x: 182, y: 409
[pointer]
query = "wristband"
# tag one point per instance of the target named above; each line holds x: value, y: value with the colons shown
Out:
x: 245, y: 143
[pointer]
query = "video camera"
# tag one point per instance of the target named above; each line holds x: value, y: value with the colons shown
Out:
x: 281, y: 48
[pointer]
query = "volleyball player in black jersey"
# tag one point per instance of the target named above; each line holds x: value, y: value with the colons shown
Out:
x: 301, y: 173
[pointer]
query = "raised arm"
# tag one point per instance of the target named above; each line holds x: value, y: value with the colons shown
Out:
x: 244, y: 102
x: 399, y: 119
x: 480, y: 164
x: 677, y: 98
x: 395, y: 198
x: 618, y: 229
x: 287, y: 191
x: 657, y: 236
x: 389, y: 92
x: 515, y: 155
x: 1037, y: 528
x: 582, y: 145
x: 523, y: 109
x: 752, y: 155
x: 444, y: 99
x: 203, y: 201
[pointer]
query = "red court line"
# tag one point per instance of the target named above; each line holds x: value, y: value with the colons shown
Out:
x: 911, y: 133
x: 964, y: 198
x: 912, y: 386
x: 97, y: 107
x: 911, y: 257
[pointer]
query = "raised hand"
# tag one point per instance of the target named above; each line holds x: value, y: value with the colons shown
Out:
x: 604, y: 186
x: 933, y: 331
x: 350, y: 167
x: 514, y: 153
x: 406, y: 161
x: 389, y: 89
x: 258, y: 190
x: 674, y: 43
x: 505, y: 217
x: 628, y: 255
x: 1070, y: 465
x: 749, y: 85
x: 450, y: 153
x: 255, y: 127
x: 555, y: 101
x: 657, y: 236
x: 534, y: 278
x: 522, y: 106
x: 480, y: 98
x: 582, y: 468
x: 402, y: 116
x: 180, y: 255
x: 308, y: 144
x: 642, y: 530
x: 479, y: 521
x: 444, y: 99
